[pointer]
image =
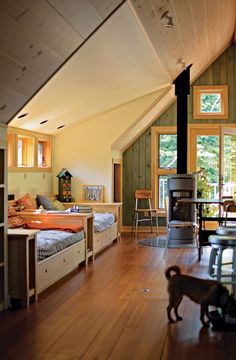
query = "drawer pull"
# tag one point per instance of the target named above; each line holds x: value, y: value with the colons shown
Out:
x: 46, y: 270
x: 64, y: 260
x: 78, y: 251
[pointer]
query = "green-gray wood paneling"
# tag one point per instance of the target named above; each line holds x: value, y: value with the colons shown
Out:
x: 137, y: 158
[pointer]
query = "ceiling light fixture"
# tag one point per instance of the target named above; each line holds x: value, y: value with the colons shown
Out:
x: 23, y: 115
x: 181, y: 64
x: 167, y: 19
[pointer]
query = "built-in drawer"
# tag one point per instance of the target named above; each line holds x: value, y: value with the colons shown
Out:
x: 60, y: 264
x: 104, y: 238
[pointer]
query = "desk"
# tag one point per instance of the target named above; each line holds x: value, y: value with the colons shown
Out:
x: 203, y: 233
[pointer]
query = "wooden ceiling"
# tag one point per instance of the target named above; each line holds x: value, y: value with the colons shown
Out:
x: 129, y: 53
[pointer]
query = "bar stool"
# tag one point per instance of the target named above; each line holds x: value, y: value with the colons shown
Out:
x: 225, y: 231
x: 144, y: 214
x: 217, y: 268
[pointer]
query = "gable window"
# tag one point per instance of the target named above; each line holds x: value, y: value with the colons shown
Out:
x: 210, y: 102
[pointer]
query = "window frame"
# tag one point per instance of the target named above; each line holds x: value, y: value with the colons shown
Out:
x: 156, y: 171
x: 216, y: 89
x: 30, y: 150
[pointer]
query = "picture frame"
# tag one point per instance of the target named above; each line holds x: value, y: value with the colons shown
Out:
x: 93, y: 193
x: 210, y: 102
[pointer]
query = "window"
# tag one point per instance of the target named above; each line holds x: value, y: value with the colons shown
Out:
x: 28, y: 150
x: 25, y: 151
x: 164, y: 140
x: 210, y: 102
x: 44, y: 153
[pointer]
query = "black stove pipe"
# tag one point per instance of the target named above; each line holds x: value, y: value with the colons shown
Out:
x: 182, y: 90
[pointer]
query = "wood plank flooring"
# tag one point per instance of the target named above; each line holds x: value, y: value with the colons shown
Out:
x: 115, y: 310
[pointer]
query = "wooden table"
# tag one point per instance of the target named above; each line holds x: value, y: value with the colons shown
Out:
x: 204, y: 233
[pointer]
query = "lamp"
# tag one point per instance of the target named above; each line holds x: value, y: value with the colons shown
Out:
x: 167, y: 19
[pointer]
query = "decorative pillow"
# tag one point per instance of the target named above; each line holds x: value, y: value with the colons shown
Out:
x: 15, y: 222
x: 45, y: 202
x: 11, y: 211
x: 57, y: 205
x: 27, y: 202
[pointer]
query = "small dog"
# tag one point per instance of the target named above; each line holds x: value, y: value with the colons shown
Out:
x: 203, y: 292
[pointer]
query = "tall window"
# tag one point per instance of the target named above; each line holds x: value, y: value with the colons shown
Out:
x: 164, y: 140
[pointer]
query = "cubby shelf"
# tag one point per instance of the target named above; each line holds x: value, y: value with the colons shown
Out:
x: 3, y: 218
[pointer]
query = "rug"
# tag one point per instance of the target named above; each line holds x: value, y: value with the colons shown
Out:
x: 154, y: 242
x: 161, y: 242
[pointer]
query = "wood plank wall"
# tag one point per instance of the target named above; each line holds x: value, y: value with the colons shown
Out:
x: 137, y: 158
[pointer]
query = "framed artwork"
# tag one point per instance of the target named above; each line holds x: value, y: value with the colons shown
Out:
x: 210, y: 102
x: 93, y: 193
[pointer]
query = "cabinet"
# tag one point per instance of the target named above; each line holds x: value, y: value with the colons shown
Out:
x: 3, y: 218
x: 22, y: 266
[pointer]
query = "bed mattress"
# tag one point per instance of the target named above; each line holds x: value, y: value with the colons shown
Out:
x: 103, y: 221
x: 50, y: 242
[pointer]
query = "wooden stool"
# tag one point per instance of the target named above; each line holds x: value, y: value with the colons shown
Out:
x: 219, y: 243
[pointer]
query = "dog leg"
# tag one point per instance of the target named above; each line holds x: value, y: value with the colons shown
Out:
x: 204, y: 311
x: 176, y: 306
x: 169, y: 308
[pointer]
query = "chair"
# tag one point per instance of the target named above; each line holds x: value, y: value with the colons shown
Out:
x: 229, y: 208
x: 144, y: 214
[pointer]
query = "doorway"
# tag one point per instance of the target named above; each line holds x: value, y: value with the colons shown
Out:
x: 213, y: 157
x: 117, y: 180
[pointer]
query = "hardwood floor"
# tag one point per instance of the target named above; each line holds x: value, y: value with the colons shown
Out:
x: 115, y: 309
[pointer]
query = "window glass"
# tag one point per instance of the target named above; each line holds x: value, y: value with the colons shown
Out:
x: 162, y: 190
x: 44, y: 153
x: 167, y: 151
x: 25, y: 151
x: 210, y: 103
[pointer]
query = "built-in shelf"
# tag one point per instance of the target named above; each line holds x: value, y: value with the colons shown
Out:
x: 3, y: 218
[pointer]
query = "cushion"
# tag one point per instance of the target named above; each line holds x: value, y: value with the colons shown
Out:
x: 15, y: 222
x: 11, y: 211
x: 44, y: 201
x: 57, y: 205
x: 26, y: 202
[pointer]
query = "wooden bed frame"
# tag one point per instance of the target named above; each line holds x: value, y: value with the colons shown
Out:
x: 55, y: 267
x: 104, y: 238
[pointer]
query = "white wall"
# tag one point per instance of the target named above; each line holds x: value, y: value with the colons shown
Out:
x: 85, y: 149
x: 19, y: 183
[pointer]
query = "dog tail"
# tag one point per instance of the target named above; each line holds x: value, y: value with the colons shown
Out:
x: 173, y: 268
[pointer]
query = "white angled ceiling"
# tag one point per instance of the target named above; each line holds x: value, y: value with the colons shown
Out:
x: 130, y: 55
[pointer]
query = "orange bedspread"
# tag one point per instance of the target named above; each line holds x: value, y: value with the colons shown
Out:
x: 39, y: 225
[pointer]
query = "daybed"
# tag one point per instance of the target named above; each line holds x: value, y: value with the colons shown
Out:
x: 58, y: 265
x: 104, y: 236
